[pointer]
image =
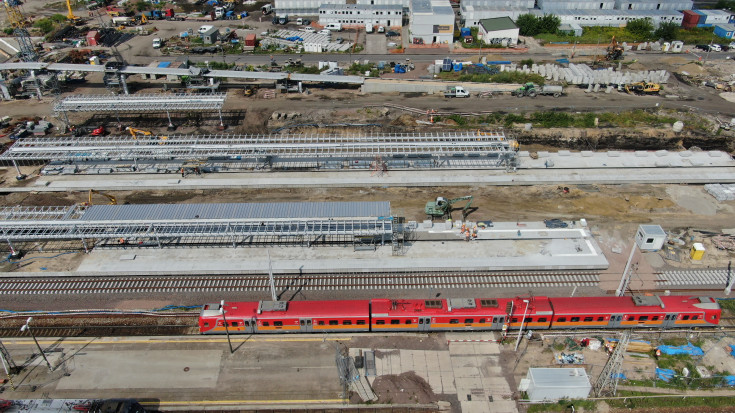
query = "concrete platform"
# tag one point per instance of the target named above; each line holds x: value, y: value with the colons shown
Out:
x: 504, y: 247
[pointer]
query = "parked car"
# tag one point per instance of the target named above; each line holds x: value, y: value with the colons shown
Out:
x: 704, y: 47
x: 391, y: 33
x: 325, y: 32
x: 308, y: 29
x: 381, y: 29
x: 205, y: 28
x: 715, y: 48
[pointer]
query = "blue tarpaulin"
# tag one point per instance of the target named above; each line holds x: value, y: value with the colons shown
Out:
x: 688, y: 349
x: 457, y: 67
x: 399, y: 69
x: 620, y: 376
x: 730, y: 380
x: 732, y: 350
x: 664, y: 374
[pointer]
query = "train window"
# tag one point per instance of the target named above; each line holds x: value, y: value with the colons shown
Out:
x: 482, y: 320
x: 421, y: 321
x: 514, y: 320
x: 234, y: 323
x: 308, y: 322
x: 347, y: 323
x: 527, y: 320
x: 714, y: 317
x: 469, y: 320
x: 333, y: 322
x: 542, y: 320
x: 266, y: 324
x: 247, y: 324
x: 395, y: 321
x: 302, y: 322
x: 686, y: 317
x: 600, y: 318
x: 380, y: 322
x: 408, y: 322
x: 574, y: 319
x: 278, y: 323
x: 588, y: 319
x: 654, y: 318
x: 695, y: 317
x: 489, y: 303
x: 360, y: 322
x: 562, y: 319
x: 454, y: 321
x: 433, y: 303
x: 321, y: 322
x: 643, y: 318
x: 495, y: 319
x: 206, y: 324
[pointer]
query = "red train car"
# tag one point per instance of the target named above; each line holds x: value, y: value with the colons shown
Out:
x: 286, y: 317
x: 459, y: 314
x: 638, y: 311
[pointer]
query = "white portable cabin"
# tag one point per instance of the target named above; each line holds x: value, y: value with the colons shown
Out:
x: 548, y: 384
x: 650, y: 237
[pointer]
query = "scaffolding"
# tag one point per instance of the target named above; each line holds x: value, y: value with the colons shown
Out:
x: 219, y: 153
x: 144, y: 103
x: 199, y: 224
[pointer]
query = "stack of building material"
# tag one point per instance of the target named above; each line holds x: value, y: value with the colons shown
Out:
x: 721, y: 192
x: 581, y: 74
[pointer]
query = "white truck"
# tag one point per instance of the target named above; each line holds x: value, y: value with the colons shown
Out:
x: 532, y: 90
x: 267, y: 9
x: 121, y: 21
x: 456, y: 92
x: 157, y: 43
x: 368, y: 28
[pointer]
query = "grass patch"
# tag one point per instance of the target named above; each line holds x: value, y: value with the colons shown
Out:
x: 603, y: 36
x: 502, y: 77
x: 662, y: 402
x: 563, y: 405
x: 727, y: 305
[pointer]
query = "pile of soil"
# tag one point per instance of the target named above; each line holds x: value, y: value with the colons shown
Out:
x: 404, y: 120
x: 406, y: 388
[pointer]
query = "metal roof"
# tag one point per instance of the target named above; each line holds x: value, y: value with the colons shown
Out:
x: 368, y: 7
x: 254, y: 211
x: 653, y: 230
x: 559, y: 378
x: 498, y: 23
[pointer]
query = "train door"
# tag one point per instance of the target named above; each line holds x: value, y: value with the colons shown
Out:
x: 305, y: 325
x: 669, y: 320
x: 249, y: 324
x: 498, y: 322
x: 424, y: 323
x: 615, y: 320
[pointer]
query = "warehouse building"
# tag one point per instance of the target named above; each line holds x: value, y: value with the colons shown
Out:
x: 653, y: 4
x: 312, y: 7
x: 431, y: 22
x: 725, y: 30
x: 471, y: 15
x: 358, y: 15
x: 500, y: 30
x: 613, y: 18
x: 573, y: 5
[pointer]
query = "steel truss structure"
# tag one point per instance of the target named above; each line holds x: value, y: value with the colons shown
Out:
x: 220, y: 153
x: 145, y: 103
x: 33, y: 224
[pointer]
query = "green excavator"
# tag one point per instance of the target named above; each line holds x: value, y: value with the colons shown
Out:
x: 442, y: 207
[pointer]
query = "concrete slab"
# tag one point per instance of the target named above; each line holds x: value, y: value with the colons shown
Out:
x: 462, y: 349
x: 151, y: 369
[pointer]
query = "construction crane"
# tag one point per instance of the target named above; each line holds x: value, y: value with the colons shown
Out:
x: 27, y: 52
x: 112, y: 200
x: 442, y: 207
x: 70, y: 15
x: 643, y: 88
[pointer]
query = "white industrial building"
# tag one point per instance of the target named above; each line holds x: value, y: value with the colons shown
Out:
x: 718, y: 16
x: 471, y: 15
x: 654, y: 4
x: 358, y: 15
x: 612, y: 18
x: 573, y: 5
x: 404, y: 3
x: 293, y: 8
x: 431, y: 22
x: 499, y: 4
x: 548, y: 384
x: 499, y: 30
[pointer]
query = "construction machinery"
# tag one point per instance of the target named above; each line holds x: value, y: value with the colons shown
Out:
x: 532, y: 90
x: 135, y: 132
x: 112, y: 200
x: 70, y: 15
x: 27, y: 52
x: 643, y: 88
x: 614, y: 50
x: 442, y: 207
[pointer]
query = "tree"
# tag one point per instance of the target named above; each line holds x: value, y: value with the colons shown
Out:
x: 725, y: 4
x: 45, y: 25
x: 667, y: 31
x: 527, y: 25
x: 549, y: 23
x: 640, y: 28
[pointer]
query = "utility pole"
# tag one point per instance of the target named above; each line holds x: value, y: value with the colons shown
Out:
x: 27, y: 326
x: 8, y: 364
x: 224, y: 320
x: 270, y: 277
x: 520, y: 330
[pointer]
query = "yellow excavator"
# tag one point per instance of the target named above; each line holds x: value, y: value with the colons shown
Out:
x: 112, y: 200
x: 643, y: 88
x: 135, y: 132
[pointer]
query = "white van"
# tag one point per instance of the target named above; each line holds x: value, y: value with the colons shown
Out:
x: 368, y: 28
x: 267, y: 9
x: 337, y: 27
x: 205, y: 28
x: 157, y: 43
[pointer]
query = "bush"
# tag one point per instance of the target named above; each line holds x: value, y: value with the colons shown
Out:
x: 640, y: 28
x: 46, y: 25
x: 667, y: 31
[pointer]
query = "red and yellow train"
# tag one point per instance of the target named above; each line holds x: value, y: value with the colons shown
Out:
x: 459, y: 314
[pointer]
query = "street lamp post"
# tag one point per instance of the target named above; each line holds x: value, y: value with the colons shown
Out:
x: 520, y: 330
x: 224, y: 320
x: 27, y: 326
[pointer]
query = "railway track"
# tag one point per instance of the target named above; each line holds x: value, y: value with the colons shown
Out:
x: 104, y: 331
x: 695, y: 277
x: 308, y: 282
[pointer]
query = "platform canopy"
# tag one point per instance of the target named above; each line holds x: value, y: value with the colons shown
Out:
x: 141, y: 103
